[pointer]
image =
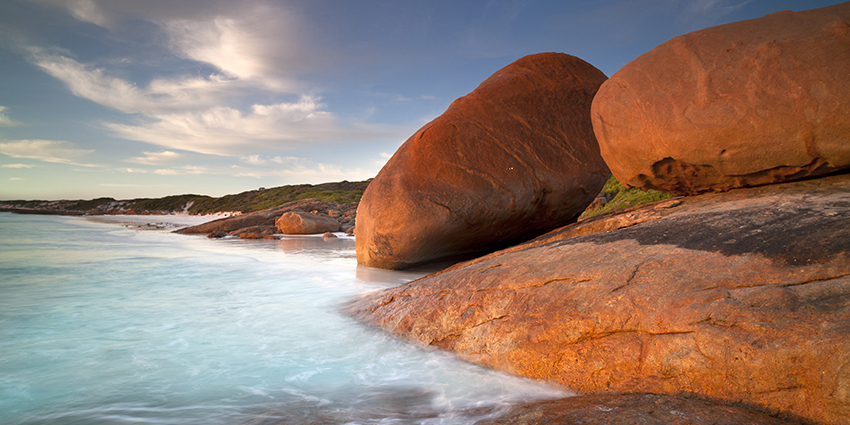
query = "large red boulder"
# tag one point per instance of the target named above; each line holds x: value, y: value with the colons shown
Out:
x: 509, y: 161
x: 744, y: 104
x: 741, y: 297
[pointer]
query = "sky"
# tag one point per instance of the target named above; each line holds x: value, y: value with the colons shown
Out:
x: 150, y: 98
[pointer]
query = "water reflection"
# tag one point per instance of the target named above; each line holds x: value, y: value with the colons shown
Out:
x: 293, y: 244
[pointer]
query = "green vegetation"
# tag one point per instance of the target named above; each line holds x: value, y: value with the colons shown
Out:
x: 255, y: 200
x: 621, y: 197
x: 89, y: 205
x: 343, y: 192
x: 169, y: 203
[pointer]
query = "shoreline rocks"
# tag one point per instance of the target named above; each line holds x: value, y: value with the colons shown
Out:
x: 305, y: 223
x: 742, y: 296
x: 310, y: 212
x: 631, y: 409
x: 744, y: 104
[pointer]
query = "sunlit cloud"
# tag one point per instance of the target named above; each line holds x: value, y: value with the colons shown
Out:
x: 255, y: 40
x: 156, y: 158
x: 17, y: 166
x: 304, y: 170
x: 230, y: 132
x: 254, y: 160
x: 190, y: 113
x: 186, y: 170
x: 258, y: 44
x: 57, y: 151
x: 382, y: 160
x: 87, y: 11
x: 5, y: 121
x: 15, y: 178
x: 161, y: 95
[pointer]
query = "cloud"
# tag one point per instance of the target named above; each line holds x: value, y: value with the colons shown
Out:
x: 87, y: 11
x: 257, y: 47
x: 5, y: 121
x: 156, y: 158
x: 254, y: 160
x: 161, y: 95
x: 701, y: 14
x: 189, y: 169
x: 227, y: 131
x: 57, y: 151
x: 249, y: 40
x: 191, y: 113
x: 384, y: 157
x: 15, y: 178
x: 258, y: 44
x: 134, y: 185
x: 303, y: 170
x: 17, y: 166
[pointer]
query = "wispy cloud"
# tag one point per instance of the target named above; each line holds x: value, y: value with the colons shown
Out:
x: 303, y: 170
x: 705, y: 13
x: 259, y: 43
x: 156, y: 158
x: 191, y: 114
x: 250, y: 40
x: 17, y: 166
x: 185, y: 170
x: 5, y: 121
x: 228, y: 131
x: 161, y: 95
x: 87, y: 11
x: 58, y: 151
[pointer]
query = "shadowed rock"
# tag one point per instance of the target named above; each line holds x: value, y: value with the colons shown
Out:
x: 631, y: 409
x: 738, y: 105
x: 513, y: 159
x: 741, y: 296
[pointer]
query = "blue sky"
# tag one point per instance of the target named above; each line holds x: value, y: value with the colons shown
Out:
x: 149, y: 98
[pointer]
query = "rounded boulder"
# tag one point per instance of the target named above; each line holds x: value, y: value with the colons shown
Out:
x: 738, y: 105
x: 304, y: 223
x: 513, y: 159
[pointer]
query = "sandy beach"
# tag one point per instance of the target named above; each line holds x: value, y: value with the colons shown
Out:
x: 154, y: 222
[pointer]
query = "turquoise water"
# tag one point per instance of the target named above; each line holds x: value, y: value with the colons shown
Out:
x: 102, y: 324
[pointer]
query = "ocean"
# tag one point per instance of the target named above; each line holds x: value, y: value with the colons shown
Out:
x: 111, y: 323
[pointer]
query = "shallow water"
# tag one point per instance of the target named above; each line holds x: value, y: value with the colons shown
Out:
x: 103, y: 324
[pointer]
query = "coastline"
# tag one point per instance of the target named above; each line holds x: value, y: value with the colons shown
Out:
x: 169, y: 222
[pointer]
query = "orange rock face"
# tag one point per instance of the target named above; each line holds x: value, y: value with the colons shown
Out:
x: 304, y: 223
x: 741, y: 296
x: 738, y: 105
x: 514, y: 158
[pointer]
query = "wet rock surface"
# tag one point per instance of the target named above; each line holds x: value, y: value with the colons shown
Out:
x: 631, y: 409
x: 741, y: 296
x: 738, y: 105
